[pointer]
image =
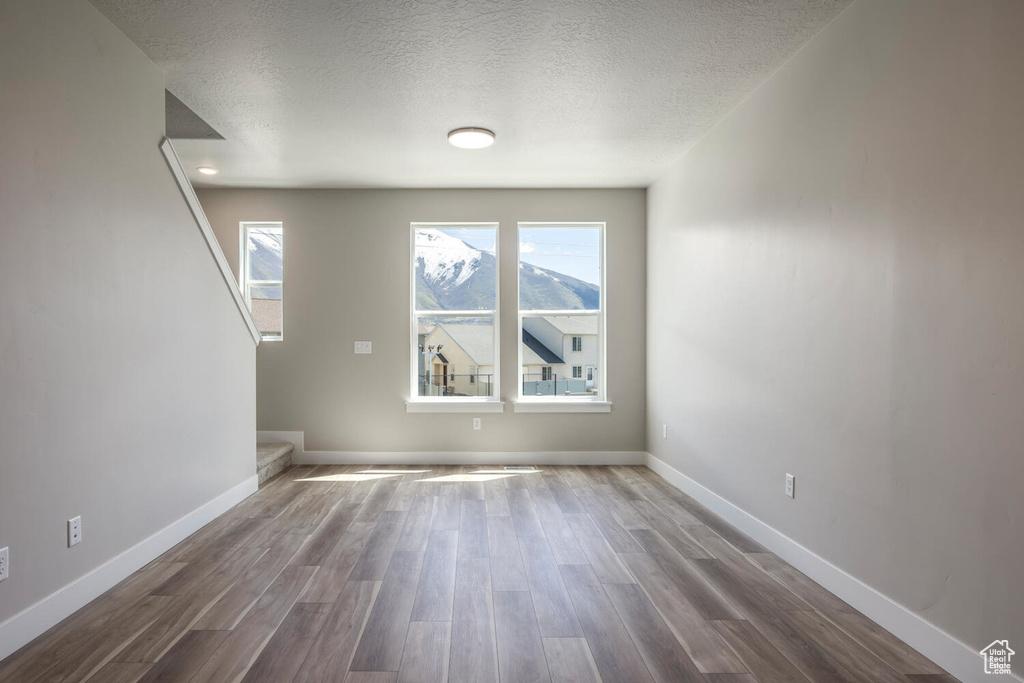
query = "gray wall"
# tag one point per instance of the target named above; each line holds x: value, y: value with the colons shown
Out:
x: 347, y: 278
x: 835, y: 278
x: 127, y: 374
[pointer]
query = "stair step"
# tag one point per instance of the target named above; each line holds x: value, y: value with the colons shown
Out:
x: 272, y: 459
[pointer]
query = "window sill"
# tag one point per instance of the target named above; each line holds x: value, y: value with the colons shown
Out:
x: 454, y: 406
x: 562, y: 406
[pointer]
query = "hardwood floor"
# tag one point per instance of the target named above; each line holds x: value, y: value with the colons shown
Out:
x: 356, y: 574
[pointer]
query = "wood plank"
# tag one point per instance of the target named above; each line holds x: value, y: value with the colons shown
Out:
x: 380, y: 646
x: 495, y: 498
x: 678, y: 537
x: 36, y: 657
x: 777, y: 626
x: 474, y: 655
x: 96, y: 651
x: 327, y: 583
x: 179, y: 617
x: 449, y: 506
x: 570, y: 661
x: 473, y: 529
x: 372, y: 677
x: 614, y: 652
x: 373, y: 562
x: 704, y: 645
x: 416, y: 531
x: 602, y: 558
x: 701, y: 594
x: 377, y: 502
x: 185, y: 657
x: 845, y: 650
x: 238, y: 651
x: 520, y: 651
x: 507, y: 570
x: 764, y: 584
x: 425, y: 657
x: 326, y: 536
x: 891, y: 649
x: 601, y: 513
x: 232, y: 606
x: 331, y: 651
x: 561, y: 539
x: 121, y: 672
x: 524, y: 515
x: 555, y: 614
x: 435, y: 591
x: 664, y: 655
x: 757, y: 653
x: 284, y: 654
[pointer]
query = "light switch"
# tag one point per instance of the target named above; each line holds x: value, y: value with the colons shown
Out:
x: 364, y: 347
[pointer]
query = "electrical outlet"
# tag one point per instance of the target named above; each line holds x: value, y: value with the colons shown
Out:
x: 476, y: 423
x: 364, y: 347
x: 74, y: 531
x: 790, y: 486
x: 664, y: 431
x: 5, y: 564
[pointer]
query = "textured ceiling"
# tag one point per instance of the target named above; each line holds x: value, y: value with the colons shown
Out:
x: 324, y: 93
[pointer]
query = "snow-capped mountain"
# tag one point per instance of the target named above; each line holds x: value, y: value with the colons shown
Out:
x: 453, y: 275
x: 265, y: 256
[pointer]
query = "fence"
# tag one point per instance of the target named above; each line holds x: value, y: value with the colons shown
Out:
x: 456, y: 385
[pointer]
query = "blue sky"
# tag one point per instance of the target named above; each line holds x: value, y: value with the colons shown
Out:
x: 572, y: 251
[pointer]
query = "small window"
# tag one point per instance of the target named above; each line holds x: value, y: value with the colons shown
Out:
x: 262, y: 276
x: 454, y: 311
x: 562, y: 311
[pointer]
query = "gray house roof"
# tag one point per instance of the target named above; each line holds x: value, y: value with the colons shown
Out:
x: 571, y: 324
x: 476, y: 340
x: 536, y: 353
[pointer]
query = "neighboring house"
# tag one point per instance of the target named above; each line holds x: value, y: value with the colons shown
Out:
x: 560, y: 354
x: 464, y: 366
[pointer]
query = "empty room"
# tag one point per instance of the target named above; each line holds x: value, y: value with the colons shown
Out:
x: 512, y: 341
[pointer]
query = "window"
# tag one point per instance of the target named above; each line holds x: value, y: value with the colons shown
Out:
x: 262, y: 276
x: 454, y: 312
x: 561, y: 311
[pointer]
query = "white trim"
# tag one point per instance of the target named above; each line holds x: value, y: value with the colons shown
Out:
x: 211, y: 240
x: 495, y: 314
x: 957, y: 658
x: 34, y: 620
x: 296, y: 439
x: 454, y: 406
x: 472, y: 458
x: 565, y: 405
x: 601, y: 312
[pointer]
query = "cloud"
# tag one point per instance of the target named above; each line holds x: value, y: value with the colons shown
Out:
x: 527, y: 248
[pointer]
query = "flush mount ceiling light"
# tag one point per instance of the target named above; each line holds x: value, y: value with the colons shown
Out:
x: 208, y: 170
x: 471, y: 138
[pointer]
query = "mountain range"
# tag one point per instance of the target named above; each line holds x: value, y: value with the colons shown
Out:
x: 455, y: 276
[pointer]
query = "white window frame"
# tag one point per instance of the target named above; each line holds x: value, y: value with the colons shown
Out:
x: 599, y: 402
x: 429, y: 404
x: 577, y: 372
x: 577, y: 343
x: 245, y: 284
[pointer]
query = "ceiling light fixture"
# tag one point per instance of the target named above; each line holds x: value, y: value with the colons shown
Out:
x: 471, y: 138
x: 208, y: 170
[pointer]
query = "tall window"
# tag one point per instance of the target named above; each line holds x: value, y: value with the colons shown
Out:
x: 454, y: 311
x: 262, y: 276
x: 561, y: 312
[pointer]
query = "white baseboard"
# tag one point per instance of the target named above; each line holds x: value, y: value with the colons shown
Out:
x: 957, y: 658
x: 36, y: 619
x: 470, y: 458
x: 296, y: 439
